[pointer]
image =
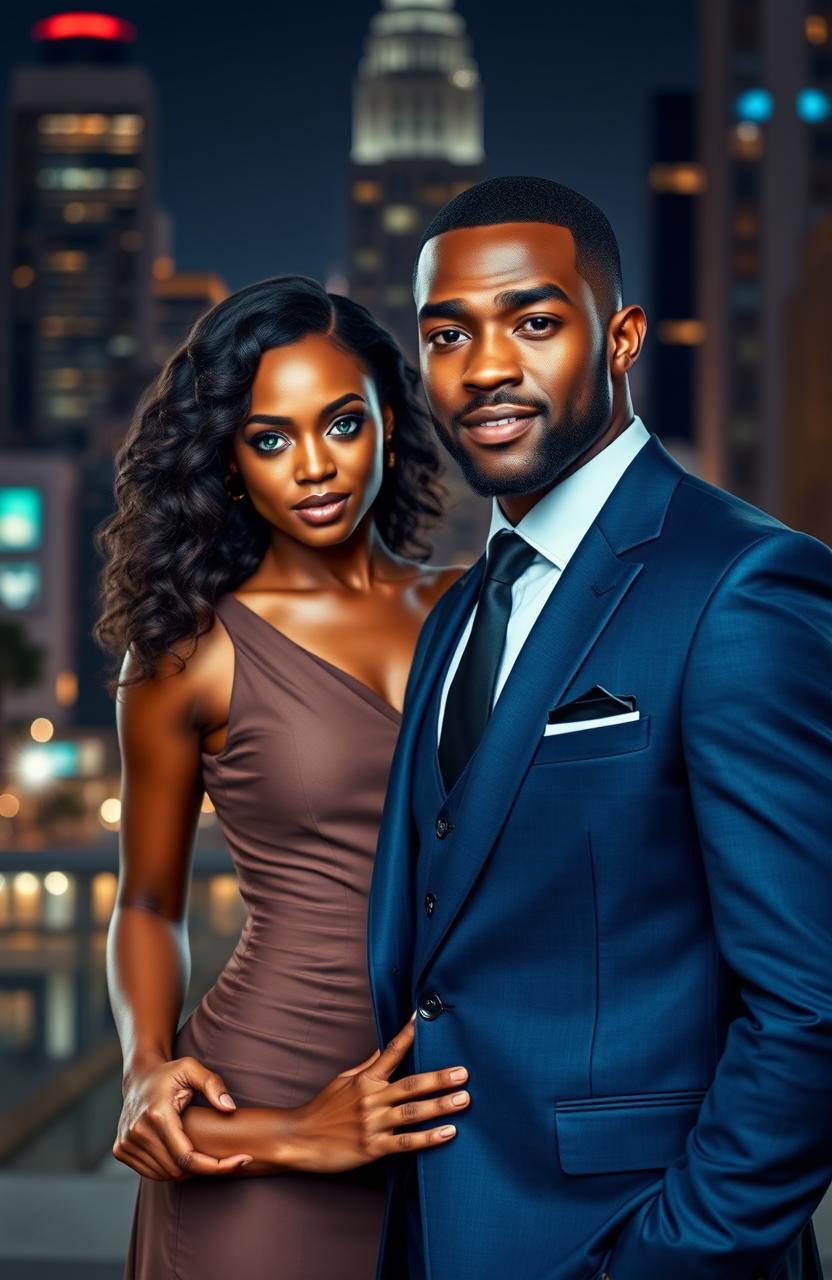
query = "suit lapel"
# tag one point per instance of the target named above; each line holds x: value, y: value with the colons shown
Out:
x: 585, y: 598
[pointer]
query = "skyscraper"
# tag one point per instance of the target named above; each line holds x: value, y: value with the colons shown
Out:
x: 78, y: 240
x: 417, y: 141
x: 766, y: 146
x: 675, y: 184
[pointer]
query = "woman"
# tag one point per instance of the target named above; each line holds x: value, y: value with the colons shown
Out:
x: 270, y: 494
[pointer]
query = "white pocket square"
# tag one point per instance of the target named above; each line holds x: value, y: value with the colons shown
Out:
x: 577, y: 725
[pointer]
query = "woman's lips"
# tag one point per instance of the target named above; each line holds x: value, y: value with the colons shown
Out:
x: 324, y: 510
x: 502, y: 430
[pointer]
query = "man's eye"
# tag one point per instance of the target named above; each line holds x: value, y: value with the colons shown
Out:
x: 539, y: 324
x: 270, y: 442
x: 448, y: 337
x: 348, y: 426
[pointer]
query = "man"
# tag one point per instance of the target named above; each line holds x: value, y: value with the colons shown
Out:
x: 604, y: 877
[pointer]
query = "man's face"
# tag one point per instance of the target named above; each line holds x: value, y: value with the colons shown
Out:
x: 513, y: 353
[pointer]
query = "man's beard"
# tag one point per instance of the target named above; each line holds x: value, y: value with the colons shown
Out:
x: 556, y: 450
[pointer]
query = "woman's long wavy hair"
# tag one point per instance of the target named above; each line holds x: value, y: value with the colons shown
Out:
x: 176, y: 542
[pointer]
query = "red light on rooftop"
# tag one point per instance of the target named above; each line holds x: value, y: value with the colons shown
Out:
x: 84, y: 26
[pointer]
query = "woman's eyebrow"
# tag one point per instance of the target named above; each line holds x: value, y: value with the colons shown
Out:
x: 275, y: 420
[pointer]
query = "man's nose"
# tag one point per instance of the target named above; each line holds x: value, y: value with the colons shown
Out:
x: 492, y: 361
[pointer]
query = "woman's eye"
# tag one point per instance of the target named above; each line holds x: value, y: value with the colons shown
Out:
x: 448, y: 337
x: 270, y: 442
x: 348, y: 426
x: 539, y: 324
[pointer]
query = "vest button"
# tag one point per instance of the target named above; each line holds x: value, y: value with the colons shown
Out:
x: 430, y: 903
x: 443, y: 826
x: 430, y: 1006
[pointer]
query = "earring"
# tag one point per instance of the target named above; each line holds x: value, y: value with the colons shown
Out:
x: 391, y: 457
x: 236, y: 495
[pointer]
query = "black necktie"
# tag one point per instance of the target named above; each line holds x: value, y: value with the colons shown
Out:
x: 472, y: 689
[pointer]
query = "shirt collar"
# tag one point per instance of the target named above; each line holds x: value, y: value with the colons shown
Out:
x: 557, y: 523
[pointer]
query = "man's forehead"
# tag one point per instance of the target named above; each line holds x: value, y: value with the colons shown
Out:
x: 479, y: 259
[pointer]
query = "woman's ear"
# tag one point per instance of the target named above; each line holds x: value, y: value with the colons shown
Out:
x: 387, y: 423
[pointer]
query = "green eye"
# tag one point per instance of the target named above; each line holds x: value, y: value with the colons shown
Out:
x: 348, y: 426
x: 270, y: 442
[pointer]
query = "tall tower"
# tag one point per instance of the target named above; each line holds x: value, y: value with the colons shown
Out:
x: 78, y: 235
x: 417, y: 140
x: 766, y: 147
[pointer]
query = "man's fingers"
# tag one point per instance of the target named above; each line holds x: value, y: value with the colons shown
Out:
x: 394, y: 1052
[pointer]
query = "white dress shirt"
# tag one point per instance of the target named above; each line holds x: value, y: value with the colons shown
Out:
x: 554, y: 527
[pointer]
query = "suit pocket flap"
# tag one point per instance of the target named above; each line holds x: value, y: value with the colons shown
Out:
x: 616, y: 1134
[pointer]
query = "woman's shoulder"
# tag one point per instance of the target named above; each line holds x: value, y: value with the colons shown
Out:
x: 184, y: 671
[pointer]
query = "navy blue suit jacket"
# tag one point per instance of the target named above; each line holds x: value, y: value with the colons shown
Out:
x: 632, y: 935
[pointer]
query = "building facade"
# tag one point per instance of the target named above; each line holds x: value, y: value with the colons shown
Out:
x: 766, y: 147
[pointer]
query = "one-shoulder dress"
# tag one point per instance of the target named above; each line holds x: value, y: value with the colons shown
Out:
x: 298, y: 791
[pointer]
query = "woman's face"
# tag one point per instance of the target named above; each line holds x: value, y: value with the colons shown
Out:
x: 311, y: 453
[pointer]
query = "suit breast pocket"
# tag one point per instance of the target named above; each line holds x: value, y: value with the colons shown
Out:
x: 594, y: 744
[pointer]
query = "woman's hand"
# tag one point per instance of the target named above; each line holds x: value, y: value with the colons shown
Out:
x: 151, y: 1138
x: 353, y: 1121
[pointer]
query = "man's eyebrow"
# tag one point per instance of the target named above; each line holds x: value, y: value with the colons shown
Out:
x: 450, y: 309
x: 273, y: 420
x: 514, y: 299
x: 508, y: 300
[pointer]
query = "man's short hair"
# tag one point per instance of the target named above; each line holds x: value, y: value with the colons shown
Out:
x: 527, y: 199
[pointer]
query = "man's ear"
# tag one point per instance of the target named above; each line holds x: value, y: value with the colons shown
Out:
x: 627, y: 330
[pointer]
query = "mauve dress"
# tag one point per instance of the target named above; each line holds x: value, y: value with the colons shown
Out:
x: 298, y: 790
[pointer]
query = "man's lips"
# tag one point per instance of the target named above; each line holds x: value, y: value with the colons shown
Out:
x: 498, y: 424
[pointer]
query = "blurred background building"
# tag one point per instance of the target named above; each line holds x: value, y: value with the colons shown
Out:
x: 735, y: 191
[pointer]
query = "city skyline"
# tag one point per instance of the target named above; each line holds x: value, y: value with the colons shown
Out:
x: 226, y: 160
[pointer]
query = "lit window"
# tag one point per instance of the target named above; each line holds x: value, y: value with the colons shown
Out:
x: 126, y: 179
x: 747, y: 141
x: 401, y: 219
x: 64, y: 406
x: 367, y: 259
x: 71, y: 260
x: 756, y: 105
x: 121, y: 344
x: 21, y: 519
x: 366, y: 192
x: 813, y: 105
x: 680, y: 179
x: 398, y: 295
x: 681, y: 333
x: 464, y: 78
x: 130, y: 125
x: 19, y: 585
x: 817, y: 28
x: 22, y: 277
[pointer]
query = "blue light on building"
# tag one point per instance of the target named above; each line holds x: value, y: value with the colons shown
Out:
x: 755, y: 105
x: 813, y: 105
x: 21, y: 518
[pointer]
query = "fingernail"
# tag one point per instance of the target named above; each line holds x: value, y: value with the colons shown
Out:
x: 459, y: 1073
x: 448, y: 1131
x: 227, y: 1100
x: 413, y: 1015
x: 459, y: 1098
x: 248, y: 1160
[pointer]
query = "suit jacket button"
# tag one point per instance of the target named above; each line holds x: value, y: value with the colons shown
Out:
x: 443, y: 826
x: 430, y: 1006
x: 430, y: 903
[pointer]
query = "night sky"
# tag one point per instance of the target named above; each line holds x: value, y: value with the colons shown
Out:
x: 255, y: 111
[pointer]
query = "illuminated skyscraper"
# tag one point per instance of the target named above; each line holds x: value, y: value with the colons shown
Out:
x: 766, y: 147
x: 417, y: 140
x: 78, y: 240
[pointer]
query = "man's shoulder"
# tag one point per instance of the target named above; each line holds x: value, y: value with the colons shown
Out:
x: 718, y: 526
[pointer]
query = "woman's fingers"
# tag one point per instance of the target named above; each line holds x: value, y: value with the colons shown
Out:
x: 362, y: 1066
x: 191, y: 1072
x: 413, y: 1112
x: 394, y: 1053
x: 398, y: 1143
x: 426, y: 1082
x: 209, y: 1166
